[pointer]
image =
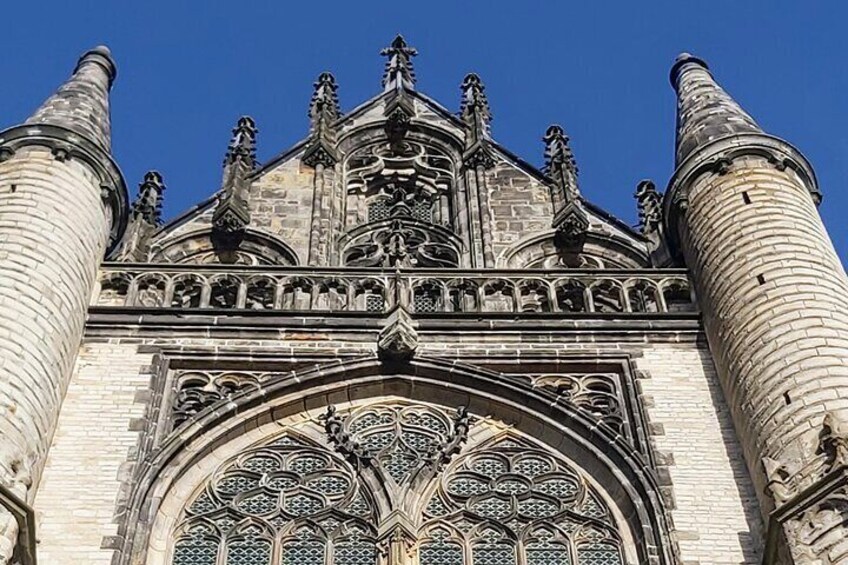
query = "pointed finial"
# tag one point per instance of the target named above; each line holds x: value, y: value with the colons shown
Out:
x: 561, y: 166
x: 475, y: 114
x: 100, y: 55
x: 399, y: 72
x: 242, y: 145
x: 232, y: 214
x: 81, y: 104
x: 705, y: 112
x: 148, y: 204
x: 474, y: 108
x: 323, y: 111
x: 145, y: 218
x: 648, y: 203
x: 325, y: 100
x: 682, y: 60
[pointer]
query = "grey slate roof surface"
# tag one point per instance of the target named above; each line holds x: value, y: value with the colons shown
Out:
x: 81, y: 104
x: 705, y: 112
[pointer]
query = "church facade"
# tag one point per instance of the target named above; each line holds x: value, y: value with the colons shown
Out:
x: 399, y: 343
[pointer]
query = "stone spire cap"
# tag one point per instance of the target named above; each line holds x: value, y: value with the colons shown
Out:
x: 81, y: 104
x: 705, y: 112
x: 399, y: 72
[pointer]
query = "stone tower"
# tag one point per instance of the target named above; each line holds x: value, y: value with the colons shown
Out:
x: 62, y: 201
x: 741, y: 208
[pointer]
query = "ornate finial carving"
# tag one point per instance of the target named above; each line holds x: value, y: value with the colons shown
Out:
x: 572, y: 225
x: 323, y: 111
x: 242, y: 145
x: 458, y: 437
x: 232, y: 214
x: 399, y: 112
x: 324, y: 105
x: 474, y: 109
x: 145, y: 218
x: 649, y: 205
x: 778, y: 481
x: 399, y: 73
x: 148, y: 205
x: 398, y: 340
x: 833, y: 443
x: 342, y: 440
x: 561, y: 166
x: 475, y: 113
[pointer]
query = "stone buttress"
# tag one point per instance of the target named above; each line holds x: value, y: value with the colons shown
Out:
x: 741, y: 209
x: 62, y: 203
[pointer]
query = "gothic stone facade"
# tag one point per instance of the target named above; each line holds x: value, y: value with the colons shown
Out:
x: 398, y: 343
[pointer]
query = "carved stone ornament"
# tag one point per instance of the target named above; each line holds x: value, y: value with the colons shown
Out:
x: 778, y: 481
x: 833, y: 443
x: 398, y: 340
x: 649, y: 205
x: 454, y: 444
x: 811, y: 519
x: 399, y: 112
x: 572, y: 225
x: 342, y: 440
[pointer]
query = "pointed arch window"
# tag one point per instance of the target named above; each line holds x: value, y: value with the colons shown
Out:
x: 325, y: 493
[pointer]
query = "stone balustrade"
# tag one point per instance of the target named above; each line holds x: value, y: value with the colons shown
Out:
x: 422, y: 291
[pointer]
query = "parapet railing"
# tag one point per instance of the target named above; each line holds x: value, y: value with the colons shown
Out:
x: 421, y: 291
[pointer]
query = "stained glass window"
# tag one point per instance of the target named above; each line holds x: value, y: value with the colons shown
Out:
x: 295, y: 500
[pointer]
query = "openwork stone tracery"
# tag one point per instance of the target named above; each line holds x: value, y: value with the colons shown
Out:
x: 400, y: 197
x: 396, y: 483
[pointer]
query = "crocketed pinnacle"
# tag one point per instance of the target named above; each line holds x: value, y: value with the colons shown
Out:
x: 474, y: 108
x: 324, y: 106
x: 399, y: 72
x: 561, y: 165
x: 705, y: 112
x: 81, y: 104
x: 242, y: 145
x: 148, y: 205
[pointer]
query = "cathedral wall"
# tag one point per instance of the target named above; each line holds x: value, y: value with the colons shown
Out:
x: 92, y: 454
x: 714, y: 509
x: 281, y: 203
x: 518, y: 205
x: 704, y: 482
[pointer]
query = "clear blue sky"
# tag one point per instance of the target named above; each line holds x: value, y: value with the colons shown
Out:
x: 187, y: 70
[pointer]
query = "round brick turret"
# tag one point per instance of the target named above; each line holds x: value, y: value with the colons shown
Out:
x: 741, y: 209
x: 62, y: 203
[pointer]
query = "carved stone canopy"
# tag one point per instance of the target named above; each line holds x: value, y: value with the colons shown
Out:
x: 572, y: 225
x: 398, y: 340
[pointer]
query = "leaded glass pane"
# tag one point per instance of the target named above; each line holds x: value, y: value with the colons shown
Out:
x: 250, y: 551
x: 195, y: 551
x: 537, y: 508
x: 425, y: 300
x: 493, y: 508
x: 493, y: 554
x: 598, y: 554
x: 303, y: 505
x: 302, y: 551
x: 552, y: 554
x: 258, y: 504
x: 261, y: 464
x: 378, y: 210
x: 440, y: 552
x: 374, y: 303
x: 355, y: 552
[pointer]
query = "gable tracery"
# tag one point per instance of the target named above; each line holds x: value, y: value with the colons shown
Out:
x: 324, y: 493
x: 401, y: 203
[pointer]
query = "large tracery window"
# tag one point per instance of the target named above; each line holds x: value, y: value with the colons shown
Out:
x: 324, y: 493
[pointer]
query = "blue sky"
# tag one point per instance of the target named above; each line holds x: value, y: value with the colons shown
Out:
x: 187, y: 70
